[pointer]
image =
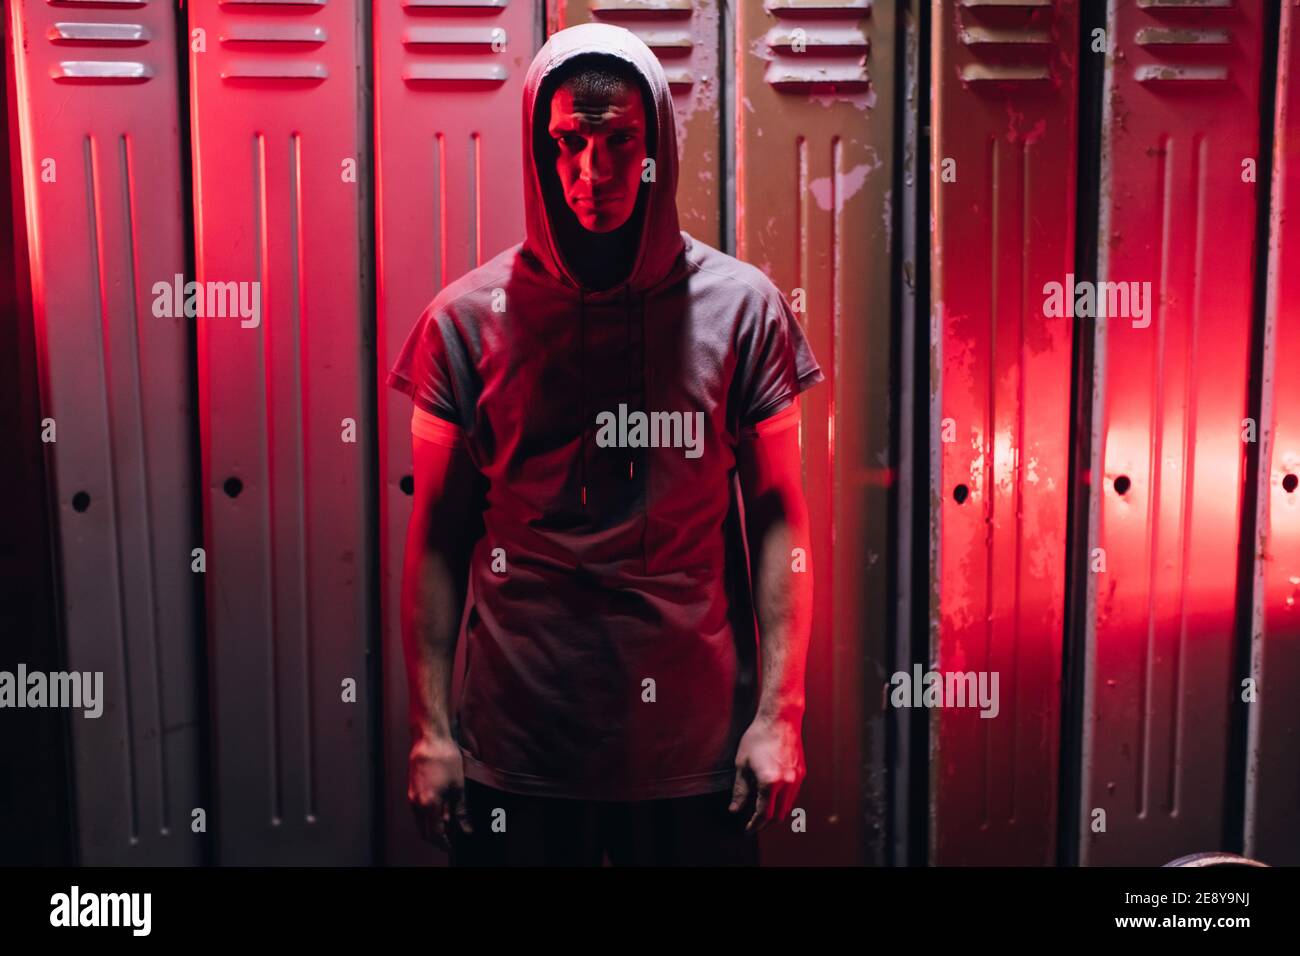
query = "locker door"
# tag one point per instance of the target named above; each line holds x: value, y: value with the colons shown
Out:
x: 1002, y: 186
x: 814, y: 110
x: 1181, y: 115
x: 277, y: 169
x: 1272, y: 784
x: 448, y: 197
x: 98, y: 116
x: 684, y: 35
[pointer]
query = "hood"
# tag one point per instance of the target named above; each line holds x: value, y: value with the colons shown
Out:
x: 661, y: 240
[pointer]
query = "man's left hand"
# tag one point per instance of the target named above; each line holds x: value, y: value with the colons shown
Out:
x: 770, y: 761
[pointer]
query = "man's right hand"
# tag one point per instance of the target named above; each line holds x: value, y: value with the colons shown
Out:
x: 436, y: 789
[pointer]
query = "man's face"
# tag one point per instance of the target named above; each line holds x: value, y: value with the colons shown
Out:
x: 602, y: 146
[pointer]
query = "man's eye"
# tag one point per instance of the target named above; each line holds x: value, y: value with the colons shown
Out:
x: 620, y: 139
x: 572, y: 142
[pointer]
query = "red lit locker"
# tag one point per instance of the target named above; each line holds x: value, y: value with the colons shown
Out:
x: 684, y: 34
x: 814, y: 113
x: 1004, y: 81
x: 279, y: 166
x: 448, y: 197
x: 1272, y: 781
x: 98, y: 117
x: 1180, y: 134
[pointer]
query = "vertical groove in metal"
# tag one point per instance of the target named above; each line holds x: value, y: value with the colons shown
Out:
x: 1155, y: 479
x: 146, y: 499
x: 833, y: 287
x: 801, y: 211
x: 260, y: 252
x: 302, y: 436
x: 988, y: 449
x: 478, y: 199
x: 95, y: 216
x: 727, y: 105
x: 1022, y: 364
x: 1191, y: 403
x: 738, y: 146
x: 475, y: 199
x: 440, y: 206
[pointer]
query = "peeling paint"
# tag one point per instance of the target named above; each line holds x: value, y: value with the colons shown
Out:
x: 703, y: 93
x: 850, y: 182
x: 886, y: 214
x: 1016, y: 134
x: 864, y: 99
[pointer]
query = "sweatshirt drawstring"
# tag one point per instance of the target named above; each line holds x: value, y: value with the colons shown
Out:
x: 627, y: 329
x: 645, y: 389
x: 582, y: 389
x: 629, y: 378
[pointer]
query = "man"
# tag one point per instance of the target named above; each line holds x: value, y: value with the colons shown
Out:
x: 583, y: 403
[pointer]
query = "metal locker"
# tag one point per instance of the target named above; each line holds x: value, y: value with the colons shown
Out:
x: 101, y: 163
x: 911, y: 265
x: 1180, y: 122
x: 684, y: 36
x: 1004, y: 82
x: 1272, y: 784
x: 814, y: 107
x: 278, y: 169
x: 448, y: 197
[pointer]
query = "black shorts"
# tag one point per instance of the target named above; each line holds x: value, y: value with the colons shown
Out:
x: 515, y: 830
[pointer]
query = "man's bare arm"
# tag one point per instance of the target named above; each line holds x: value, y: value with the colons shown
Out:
x: 770, y: 756
x: 446, y: 521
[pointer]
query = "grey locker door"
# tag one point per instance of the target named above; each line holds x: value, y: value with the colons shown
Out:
x: 283, y: 396
x: 99, y: 120
x: 449, y: 196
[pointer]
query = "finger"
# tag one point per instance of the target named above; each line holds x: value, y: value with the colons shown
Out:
x: 762, y: 810
x: 739, y: 791
x: 789, y: 794
x: 463, y: 819
x: 429, y: 821
x: 437, y: 832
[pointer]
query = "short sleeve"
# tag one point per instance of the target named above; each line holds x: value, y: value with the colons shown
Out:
x: 782, y: 421
x: 423, y: 370
x: 433, y: 429
x: 776, y: 363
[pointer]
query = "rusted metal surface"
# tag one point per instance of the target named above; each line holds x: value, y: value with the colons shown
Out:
x: 1178, y: 213
x: 814, y: 146
x: 1002, y: 192
x: 1272, y: 783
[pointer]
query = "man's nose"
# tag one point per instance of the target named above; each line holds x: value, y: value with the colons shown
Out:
x: 594, y: 164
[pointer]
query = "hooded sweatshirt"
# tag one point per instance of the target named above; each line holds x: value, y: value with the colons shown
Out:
x: 611, y: 640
